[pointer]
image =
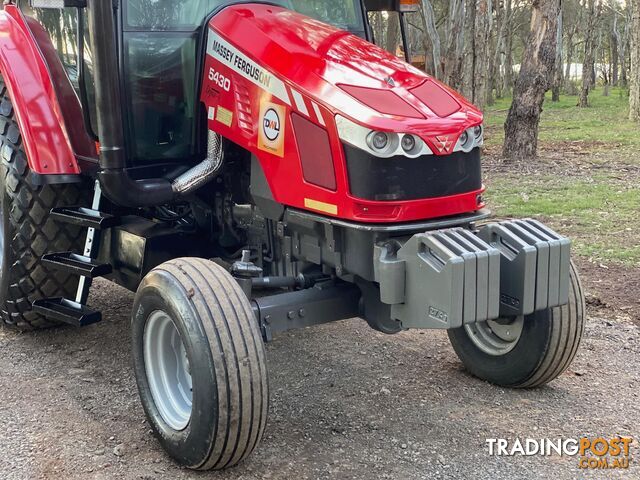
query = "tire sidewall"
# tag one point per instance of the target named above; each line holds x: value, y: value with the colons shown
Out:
x: 161, y: 291
x: 515, y: 367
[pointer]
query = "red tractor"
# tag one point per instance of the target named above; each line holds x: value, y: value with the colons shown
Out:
x: 249, y: 167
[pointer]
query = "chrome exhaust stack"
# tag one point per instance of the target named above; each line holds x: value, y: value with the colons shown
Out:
x: 204, y: 172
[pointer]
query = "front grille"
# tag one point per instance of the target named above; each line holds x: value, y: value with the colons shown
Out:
x: 402, y: 178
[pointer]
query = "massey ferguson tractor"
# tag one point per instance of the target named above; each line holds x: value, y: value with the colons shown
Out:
x: 246, y: 168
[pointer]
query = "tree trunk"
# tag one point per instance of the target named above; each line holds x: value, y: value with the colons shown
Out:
x: 622, y: 48
x: 598, y: 48
x: 634, y: 78
x: 605, y: 68
x: 615, y: 55
x: 589, y: 51
x: 508, y: 48
x: 495, y: 70
x: 375, y: 20
x: 434, y: 37
x: 455, y: 44
x: 393, y: 34
x: 469, y: 57
x: 536, y: 74
x: 570, y: 86
x: 557, y: 78
x: 482, y: 33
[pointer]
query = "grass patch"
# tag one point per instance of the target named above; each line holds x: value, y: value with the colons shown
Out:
x: 604, y: 122
x: 587, y: 185
x: 599, y: 213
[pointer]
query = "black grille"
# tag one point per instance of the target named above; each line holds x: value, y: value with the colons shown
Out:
x: 403, y: 178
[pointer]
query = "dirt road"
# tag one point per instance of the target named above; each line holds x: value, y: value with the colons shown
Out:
x: 347, y: 403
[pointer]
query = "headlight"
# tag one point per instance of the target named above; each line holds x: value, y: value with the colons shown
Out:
x: 380, y: 144
x: 469, y: 139
x: 408, y: 143
x: 378, y: 141
x: 464, y: 139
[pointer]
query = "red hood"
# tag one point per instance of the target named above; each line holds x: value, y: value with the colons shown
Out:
x: 325, y: 63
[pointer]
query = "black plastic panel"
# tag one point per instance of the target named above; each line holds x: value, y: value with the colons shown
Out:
x: 402, y: 178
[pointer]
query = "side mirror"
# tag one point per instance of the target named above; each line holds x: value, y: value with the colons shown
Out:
x: 402, y: 6
x: 57, y: 4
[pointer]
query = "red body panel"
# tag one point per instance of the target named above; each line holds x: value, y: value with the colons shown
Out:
x: 31, y: 83
x: 260, y: 56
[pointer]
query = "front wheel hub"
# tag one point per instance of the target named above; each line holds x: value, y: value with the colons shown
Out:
x: 496, y: 337
x: 168, y: 371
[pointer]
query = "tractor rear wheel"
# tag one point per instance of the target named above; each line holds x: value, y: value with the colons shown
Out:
x: 524, y: 352
x: 27, y: 231
x: 200, y: 364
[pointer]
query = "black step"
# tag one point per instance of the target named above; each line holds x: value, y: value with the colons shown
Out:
x: 76, y: 264
x: 85, y: 217
x: 66, y: 311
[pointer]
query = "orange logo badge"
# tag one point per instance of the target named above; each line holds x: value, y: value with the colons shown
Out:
x: 271, y: 130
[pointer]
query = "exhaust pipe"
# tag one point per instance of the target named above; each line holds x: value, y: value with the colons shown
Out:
x: 202, y: 173
x: 115, y: 181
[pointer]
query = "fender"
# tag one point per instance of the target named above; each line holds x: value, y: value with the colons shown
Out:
x: 29, y: 81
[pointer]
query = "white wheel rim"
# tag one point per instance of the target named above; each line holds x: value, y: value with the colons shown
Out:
x: 168, y: 372
x: 496, y: 337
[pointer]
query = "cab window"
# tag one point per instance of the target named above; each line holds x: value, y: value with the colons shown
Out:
x: 345, y: 14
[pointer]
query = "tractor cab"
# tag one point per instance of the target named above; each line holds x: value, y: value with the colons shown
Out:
x: 159, y: 46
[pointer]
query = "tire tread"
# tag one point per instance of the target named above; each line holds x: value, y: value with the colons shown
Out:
x: 32, y: 232
x: 566, y: 325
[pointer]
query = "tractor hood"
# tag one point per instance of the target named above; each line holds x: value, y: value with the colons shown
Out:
x: 311, y: 66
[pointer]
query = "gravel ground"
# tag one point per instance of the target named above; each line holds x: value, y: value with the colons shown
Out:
x: 346, y: 403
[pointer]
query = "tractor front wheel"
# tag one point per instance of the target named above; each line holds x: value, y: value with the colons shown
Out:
x: 527, y: 351
x: 200, y: 364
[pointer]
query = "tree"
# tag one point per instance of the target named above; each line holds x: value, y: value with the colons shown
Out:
x: 572, y: 21
x: 557, y: 78
x: 455, y: 44
x: 534, y: 79
x: 634, y: 80
x: 434, y: 37
x: 589, y: 54
x: 477, y: 30
x: 622, y: 48
x: 495, y: 80
x: 482, y: 33
x: 508, y: 47
x: 393, y: 34
x: 468, y: 61
x: 615, y: 55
